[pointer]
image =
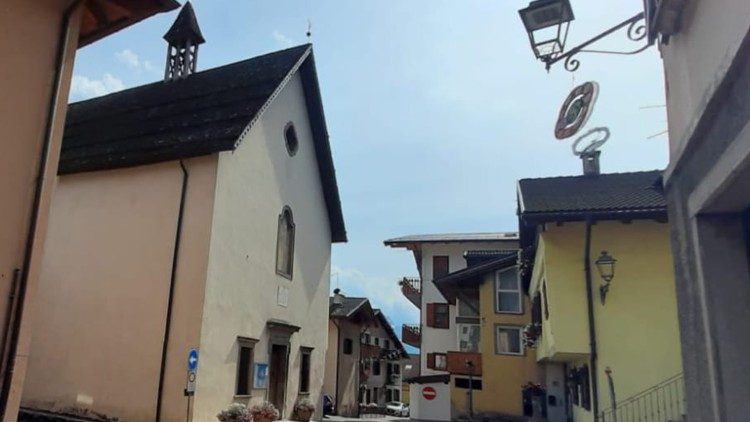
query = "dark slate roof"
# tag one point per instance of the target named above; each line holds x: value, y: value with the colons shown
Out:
x: 205, y: 113
x: 606, y: 194
x: 350, y: 305
x: 452, y: 237
x: 185, y: 28
x: 477, y: 257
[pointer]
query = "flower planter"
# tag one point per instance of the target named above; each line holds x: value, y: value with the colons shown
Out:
x: 262, y: 419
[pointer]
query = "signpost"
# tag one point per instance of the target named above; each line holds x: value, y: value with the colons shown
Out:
x: 192, y: 368
x: 576, y: 110
x: 429, y: 393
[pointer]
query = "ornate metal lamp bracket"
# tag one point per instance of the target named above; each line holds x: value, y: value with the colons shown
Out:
x: 636, y: 32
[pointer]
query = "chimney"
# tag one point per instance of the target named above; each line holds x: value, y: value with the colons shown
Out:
x: 590, y: 163
x: 183, y: 37
x: 338, y: 299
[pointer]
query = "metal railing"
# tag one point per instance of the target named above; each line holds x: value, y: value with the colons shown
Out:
x: 664, y: 402
x: 411, y: 287
x: 411, y: 334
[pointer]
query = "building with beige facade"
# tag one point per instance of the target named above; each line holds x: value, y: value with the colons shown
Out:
x: 364, y: 357
x: 198, y: 213
x: 38, y: 44
x: 705, y: 46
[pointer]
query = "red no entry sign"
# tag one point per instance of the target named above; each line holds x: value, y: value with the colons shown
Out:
x: 429, y: 393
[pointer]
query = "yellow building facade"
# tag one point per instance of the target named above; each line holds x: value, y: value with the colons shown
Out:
x: 618, y: 344
x: 504, y: 373
x: 637, y: 332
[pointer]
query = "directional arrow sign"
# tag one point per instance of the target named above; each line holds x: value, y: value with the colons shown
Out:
x: 192, y: 361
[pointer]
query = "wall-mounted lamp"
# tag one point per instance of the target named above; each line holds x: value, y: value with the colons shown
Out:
x: 547, y: 22
x: 606, y: 266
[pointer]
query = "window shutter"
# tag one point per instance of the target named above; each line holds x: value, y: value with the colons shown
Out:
x: 431, y: 315
x: 431, y: 360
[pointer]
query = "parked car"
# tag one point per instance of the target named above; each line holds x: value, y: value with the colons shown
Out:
x: 396, y: 408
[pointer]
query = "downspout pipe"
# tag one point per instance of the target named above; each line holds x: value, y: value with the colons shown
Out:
x: 170, y: 300
x: 593, y: 374
x: 55, y: 98
x: 338, y: 364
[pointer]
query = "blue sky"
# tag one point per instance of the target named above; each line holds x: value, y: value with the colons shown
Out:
x: 435, y: 109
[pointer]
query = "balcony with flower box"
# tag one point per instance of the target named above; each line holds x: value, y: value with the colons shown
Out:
x: 411, y: 287
x: 411, y: 334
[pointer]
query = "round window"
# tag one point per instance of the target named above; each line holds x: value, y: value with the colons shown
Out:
x: 290, y: 136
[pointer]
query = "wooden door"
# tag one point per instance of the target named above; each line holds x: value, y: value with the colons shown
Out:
x: 277, y: 376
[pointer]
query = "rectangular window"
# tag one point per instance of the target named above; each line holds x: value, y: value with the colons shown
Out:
x: 508, y: 340
x: 437, y: 361
x: 377, y: 341
x: 438, y: 315
x: 468, y: 337
x: 508, y: 298
x: 396, y: 395
x: 348, y: 346
x: 376, y: 367
x: 375, y: 394
x: 388, y: 395
x: 468, y: 304
x: 387, y: 345
x: 367, y: 396
x: 439, y: 266
x: 366, y: 338
x: 546, y: 301
x: 304, y: 369
x: 464, y: 383
x: 396, y: 368
x: 245, y: 356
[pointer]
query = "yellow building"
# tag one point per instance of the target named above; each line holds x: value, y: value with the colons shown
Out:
x: 492, y: 311
x: 596, y: 259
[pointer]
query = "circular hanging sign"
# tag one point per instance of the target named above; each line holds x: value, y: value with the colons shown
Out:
x: 429, y: 393
x: 576, y: 110
x: 590, y: 141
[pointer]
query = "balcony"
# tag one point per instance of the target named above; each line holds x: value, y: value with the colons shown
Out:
x: 411, y: 334
x: 465, y: 363
x: 369, y: 351
x: 411, y: 287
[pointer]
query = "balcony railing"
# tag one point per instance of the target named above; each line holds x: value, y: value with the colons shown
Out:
x: 465, y: 363
x: 369, y: 351
x: 411, y: 287
x: 664, y: 402
x: 411, y: 334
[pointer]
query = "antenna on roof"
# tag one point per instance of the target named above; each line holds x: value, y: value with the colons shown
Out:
x: 309, y: 28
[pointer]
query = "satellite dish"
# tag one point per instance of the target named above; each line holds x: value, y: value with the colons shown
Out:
x: 576, y: 110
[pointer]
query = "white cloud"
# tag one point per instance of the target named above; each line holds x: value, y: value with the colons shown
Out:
x: 282, y: 39
x: 82, y: 87
x: 149, y: 67
x: 129, y: 58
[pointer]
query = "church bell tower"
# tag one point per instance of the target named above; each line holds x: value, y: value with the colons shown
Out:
x: 183, y: 37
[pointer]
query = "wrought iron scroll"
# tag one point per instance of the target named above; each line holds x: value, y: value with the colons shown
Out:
x: 636, y: 31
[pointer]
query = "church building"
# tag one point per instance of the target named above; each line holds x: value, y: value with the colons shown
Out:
x: 188, y: 253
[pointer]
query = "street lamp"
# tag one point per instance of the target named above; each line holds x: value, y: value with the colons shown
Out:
x: 605, y: 264
x: 547, y: 23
